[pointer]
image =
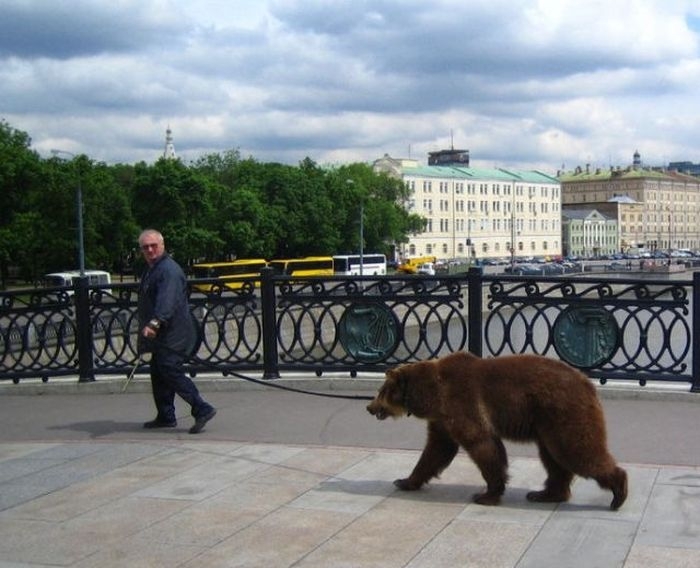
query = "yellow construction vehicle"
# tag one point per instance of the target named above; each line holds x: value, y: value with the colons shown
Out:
x: 410, y: 265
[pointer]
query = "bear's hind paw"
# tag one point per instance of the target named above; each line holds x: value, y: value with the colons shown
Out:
x: 547, y: 497
x: 407, y: 485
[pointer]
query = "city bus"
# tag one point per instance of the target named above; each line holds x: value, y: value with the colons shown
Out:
x: 307, y: 266
x: 349, y: 265
x: 231, y: 273
x: 95, y: 278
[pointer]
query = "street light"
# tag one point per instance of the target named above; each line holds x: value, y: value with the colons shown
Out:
x: 82, y: 307
x: 79, y: 207
x: 362, y: 237
x: 350, y: 182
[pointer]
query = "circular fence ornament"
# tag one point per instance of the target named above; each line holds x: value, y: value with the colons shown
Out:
x: 586, y: 337
x: 368, y: 332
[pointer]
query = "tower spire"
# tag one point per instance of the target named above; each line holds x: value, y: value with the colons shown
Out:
x: 169, y: 152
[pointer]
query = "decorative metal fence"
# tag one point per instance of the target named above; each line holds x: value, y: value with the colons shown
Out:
x: 629, y: 329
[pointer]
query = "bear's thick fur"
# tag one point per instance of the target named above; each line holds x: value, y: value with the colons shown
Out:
x: 475, y: 403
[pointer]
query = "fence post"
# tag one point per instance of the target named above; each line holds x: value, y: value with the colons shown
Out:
x: 83, y: 324
x: 475, y: 308
x: 269, y: 324
x: 695, y: 333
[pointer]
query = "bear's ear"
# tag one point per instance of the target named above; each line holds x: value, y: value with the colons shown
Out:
x: 393, y: 385
x: 394, y: 375
x: 400, y: 385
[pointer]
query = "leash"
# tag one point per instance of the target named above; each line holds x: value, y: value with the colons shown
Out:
x: 212, y: 366
x: 291, y: 389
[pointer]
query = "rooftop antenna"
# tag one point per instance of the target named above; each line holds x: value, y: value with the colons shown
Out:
x: 452, y: 140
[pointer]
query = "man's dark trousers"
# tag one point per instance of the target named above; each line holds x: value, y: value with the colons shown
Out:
x: 168, y: 378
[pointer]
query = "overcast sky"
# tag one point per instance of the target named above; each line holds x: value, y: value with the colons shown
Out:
x: 519, y: 83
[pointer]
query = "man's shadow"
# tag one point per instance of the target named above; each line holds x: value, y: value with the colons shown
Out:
x: 102, y: 428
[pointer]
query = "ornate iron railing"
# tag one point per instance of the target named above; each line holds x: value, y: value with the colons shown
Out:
x: 629, y: 329
x: 622, y: 328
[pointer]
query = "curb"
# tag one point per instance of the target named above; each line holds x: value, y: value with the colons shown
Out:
x: 330, y: 383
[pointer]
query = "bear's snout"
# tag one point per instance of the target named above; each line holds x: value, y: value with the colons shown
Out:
x: 376, y: 409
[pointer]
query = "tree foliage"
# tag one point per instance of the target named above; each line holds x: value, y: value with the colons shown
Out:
x: 219, y: 207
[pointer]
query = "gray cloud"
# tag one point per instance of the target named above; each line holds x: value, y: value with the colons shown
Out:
x: 524, y: 83
x: 63, y: 29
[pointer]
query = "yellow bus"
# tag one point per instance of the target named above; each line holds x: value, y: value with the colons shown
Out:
x: 307, y: 266
x: 230, y: 273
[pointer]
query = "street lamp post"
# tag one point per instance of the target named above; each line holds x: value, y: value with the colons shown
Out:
x: 512, y: 228
x: 362, y: 238
x: 350, y: 183
x: 79, y: 207
x: 82, y: 298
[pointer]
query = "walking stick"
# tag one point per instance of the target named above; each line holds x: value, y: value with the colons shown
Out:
x: 131, y: 375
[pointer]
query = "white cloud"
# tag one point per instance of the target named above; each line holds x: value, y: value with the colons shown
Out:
x: 522, y: 83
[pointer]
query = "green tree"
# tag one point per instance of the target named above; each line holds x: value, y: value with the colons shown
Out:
x: 109, y: 222
x: 176, y: 200
x: 382, y: 199
x: 20, y: 173
x: 221, y: 206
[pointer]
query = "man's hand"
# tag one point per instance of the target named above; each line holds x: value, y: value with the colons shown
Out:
x: 148, y: 332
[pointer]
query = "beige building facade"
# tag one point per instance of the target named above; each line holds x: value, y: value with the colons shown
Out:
x: 656, y: 209
x: 478, y: 212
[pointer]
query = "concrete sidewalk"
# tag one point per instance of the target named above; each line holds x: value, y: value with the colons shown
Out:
x: 278, y: 479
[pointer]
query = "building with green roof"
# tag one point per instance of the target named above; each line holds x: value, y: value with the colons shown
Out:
x: 479, y: 212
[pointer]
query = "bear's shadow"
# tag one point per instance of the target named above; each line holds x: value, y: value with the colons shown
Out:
x: 441, y: 493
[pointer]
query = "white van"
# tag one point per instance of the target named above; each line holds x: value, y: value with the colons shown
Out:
x: 427, y: 269
x: 95, y: 278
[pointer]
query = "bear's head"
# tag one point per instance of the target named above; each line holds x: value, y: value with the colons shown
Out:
x: 406, y: 391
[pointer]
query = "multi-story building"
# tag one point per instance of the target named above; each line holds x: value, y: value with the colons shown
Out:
x: 588, y: 233
x: 479, y: 212
x: 685, y: 167
x: 656, y: 209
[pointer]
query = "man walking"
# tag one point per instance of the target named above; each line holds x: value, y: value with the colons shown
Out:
x: 169, y: 332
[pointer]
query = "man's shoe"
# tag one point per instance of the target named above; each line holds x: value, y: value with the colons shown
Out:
x: 157, y: 423
x: 201, y: 421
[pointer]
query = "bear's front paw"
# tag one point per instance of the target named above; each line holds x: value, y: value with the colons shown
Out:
x: 406, y: 485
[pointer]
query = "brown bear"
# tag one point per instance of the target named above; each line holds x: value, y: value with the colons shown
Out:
x: 473, y: 402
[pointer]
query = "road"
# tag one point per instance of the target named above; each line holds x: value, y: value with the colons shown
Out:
x: 658, y: 429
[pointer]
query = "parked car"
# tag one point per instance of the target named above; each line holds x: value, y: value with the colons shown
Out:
x: 553, y: 269
x: 526, y: 270
x: 426, y: 269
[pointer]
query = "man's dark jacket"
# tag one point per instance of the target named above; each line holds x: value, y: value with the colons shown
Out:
x: 163, y: 296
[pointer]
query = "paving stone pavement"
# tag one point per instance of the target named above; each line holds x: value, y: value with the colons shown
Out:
x: 112, y: 494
